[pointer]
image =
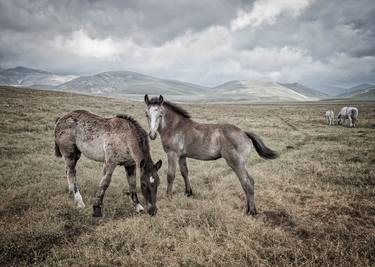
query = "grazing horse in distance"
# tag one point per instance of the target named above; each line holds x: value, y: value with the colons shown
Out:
x: 184, y: 138
x: 115, y: 141
x: 330, y: 117
x: 350, y: 113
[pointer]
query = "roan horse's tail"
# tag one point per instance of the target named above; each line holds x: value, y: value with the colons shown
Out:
x: 261, y: 148
x: 57, y: 149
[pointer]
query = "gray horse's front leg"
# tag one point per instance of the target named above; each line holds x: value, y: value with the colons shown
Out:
x: 132, y: 180
x: 172, y: 160
x: 104, y: 183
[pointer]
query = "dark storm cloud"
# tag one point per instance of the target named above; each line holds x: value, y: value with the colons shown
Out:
x: 314, y: 41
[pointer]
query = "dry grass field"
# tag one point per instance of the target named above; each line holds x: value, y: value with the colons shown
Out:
x: 316, y: 202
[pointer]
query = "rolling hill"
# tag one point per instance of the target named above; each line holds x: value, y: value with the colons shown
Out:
x: 260, y: 91
x: 21, y: 76
x: 119, y: 83
x: 302, y: 89
x: 358, y: 91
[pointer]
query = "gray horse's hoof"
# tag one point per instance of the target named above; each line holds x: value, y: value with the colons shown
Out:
x: 189, y: 193
x: 252, y: 212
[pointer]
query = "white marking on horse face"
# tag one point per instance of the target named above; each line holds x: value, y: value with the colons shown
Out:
x: 78, y: 200
x: 154, y: 115
x: 139, y: 208
x: 152, y: 180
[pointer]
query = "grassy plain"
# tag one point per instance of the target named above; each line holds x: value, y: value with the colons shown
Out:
x: 316, y: 202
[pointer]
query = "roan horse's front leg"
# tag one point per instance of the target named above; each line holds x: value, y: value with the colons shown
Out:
x: 172, y: 158
x: 132, y: 180
x: 104, y: 183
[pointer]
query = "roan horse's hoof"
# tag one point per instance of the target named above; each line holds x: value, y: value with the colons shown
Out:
x: 97, y: 212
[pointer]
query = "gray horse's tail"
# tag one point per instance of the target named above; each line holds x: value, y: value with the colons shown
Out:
x: 57, y: 149
x: 261, y: 148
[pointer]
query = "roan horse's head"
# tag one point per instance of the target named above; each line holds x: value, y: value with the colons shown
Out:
x: 154, y: 114
x: 149, y: 184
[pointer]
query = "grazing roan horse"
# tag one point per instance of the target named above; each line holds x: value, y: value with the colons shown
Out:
x: 350, y: 113
x: 183, y: 138
x: 330, y: 117
x: 115, y: 141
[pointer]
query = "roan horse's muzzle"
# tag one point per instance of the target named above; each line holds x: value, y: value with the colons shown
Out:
x: 152, y: 210
x: 152, y: 135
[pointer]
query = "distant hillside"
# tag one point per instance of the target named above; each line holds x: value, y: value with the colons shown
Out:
x: 134, y: 85
x: 260, y: 91
x: 368, y: 94
x: 361, y: 92
x: 302, y: 89
x: 127, y: 82
x: 21, y: 76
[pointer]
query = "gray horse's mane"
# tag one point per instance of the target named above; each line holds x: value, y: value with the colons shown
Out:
x: 176, y: 108
x: 140, y: 133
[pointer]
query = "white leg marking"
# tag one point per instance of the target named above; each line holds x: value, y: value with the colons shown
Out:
x: 78, y: 200
x: 71, y: 187
x: 139, y: 208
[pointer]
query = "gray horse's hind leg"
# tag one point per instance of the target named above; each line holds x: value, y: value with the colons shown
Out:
x: 104, y: 183
x: 247, y: 183
x: 238, y: 165
x: 71, y: 157
x: 185, y: 173
x: 132, y: 180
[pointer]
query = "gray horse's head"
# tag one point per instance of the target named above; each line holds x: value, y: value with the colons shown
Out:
x: 149, y: 183
x: 154, y: 114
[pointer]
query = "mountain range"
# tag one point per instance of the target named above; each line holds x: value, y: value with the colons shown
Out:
x: 127, y: 84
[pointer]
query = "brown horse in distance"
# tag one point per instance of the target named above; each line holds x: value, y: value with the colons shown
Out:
x: 183, y: 138
x: 115, y: 141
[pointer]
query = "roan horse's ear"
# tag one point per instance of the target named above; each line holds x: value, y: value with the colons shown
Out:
x: 147, y: 100
x: 161, y: 99
x: 158, y: 164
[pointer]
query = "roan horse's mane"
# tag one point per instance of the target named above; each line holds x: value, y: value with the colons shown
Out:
x: 179, y: 110
x: 140, y: 132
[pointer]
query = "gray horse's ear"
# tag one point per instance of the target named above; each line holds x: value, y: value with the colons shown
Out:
x: 147, y: 100
x: 161, y: 99
x: 142, y: 163
x: 158, y: 164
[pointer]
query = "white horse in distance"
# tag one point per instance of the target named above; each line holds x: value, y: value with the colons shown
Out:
x: 350, y: 113
x: 330, y: 117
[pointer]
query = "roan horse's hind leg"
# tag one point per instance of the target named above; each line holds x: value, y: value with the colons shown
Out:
x: 104, y: 183
x: 132, y: 180
x: 185, y: 173
x: 71, y: 159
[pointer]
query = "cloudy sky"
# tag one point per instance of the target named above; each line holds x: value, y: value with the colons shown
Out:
x: 314, y: 42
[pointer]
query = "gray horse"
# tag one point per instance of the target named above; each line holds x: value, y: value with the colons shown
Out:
x: 183, y: 138
x: 115, y: 141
